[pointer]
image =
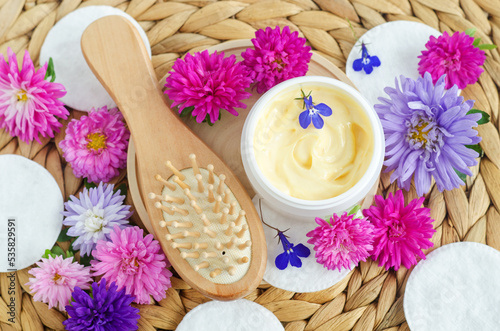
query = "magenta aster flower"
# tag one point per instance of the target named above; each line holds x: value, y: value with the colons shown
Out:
x: 455, y: 56
x: 96, y: 145
x: 401, y: 232
x: 56, y: 278
x: 276, y: 57
x: 207, y: 83
x: 427, y: 130
x: 342, y: 242
x: 29, y: 104
x: 134, y: 263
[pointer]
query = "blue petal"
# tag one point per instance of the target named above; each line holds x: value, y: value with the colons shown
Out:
x: 368, y: 68
x: 309, y: 102
x: 295, y: 260
x: 317, y: 121
x: 301, y: 250
x: 357, y: 65
x: 374, y: 61
x: 304, y: 119
x: 323, y: 109
x: 281, y: 261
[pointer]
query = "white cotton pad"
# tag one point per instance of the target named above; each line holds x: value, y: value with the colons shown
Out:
x: 238, y: 315
x: 30, y: 195
x: 398, y: 45
x: 63, y: 45
x: 312, y: 276
x: 456, y: 288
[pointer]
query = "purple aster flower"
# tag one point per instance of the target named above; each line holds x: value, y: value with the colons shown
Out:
x: 313, y: 112
x: 427, y: 129
x: 366, y: 61
x: 105, y: 309
x: 92, y: 217
x: 292, y: 253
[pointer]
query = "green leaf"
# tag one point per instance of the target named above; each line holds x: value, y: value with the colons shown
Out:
x: 470, y: 32
x: 476, y: 42
x: 485, y: 118
x: 462, y: 176
x: 56, y: 250
x: 85, y: 260
x: 50, y: 71
x: 477, y: 148
x: 70, y: 253
x: 47, y: 254
x: 122, y: 188
x: 63, y: 236
x: 487, y: 46
x: 186, y: 111
x: 88, y: 185
x: 354, y: 210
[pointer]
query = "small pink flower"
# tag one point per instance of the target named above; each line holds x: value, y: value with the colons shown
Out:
x: 134, y: 263
x: 401, y: 232
x: 454, y: 56
x: 208, y: 83
x: 29, y: 104
x: 96, y: 145
x: 55, y: 280
x: 343, y: 242
x: 276, y: 57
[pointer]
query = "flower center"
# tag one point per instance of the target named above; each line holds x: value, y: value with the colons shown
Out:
x: 130, y: 265
x: 417, y: 134
x: 452, y: 62
x: 22, y: 96
x: 56, y: 277
x: 96, y: 141
x: 396, y: 230
x: 94, y: 221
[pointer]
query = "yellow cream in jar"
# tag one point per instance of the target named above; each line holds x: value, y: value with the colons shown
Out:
x: 313, y: 164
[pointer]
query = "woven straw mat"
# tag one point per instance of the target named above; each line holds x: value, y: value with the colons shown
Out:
x: 369, y: 298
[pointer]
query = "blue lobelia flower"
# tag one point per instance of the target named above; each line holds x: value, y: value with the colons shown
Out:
x: 292, y: 254
x: 313, y: 113
x: 366, y: 61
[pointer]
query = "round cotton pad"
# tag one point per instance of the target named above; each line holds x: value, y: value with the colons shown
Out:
x: 312, y: 276
x: 455, y: 288
x: 63, y: 44
x: 30, y: 196
x: 398, y: 45
x: 238, y: 315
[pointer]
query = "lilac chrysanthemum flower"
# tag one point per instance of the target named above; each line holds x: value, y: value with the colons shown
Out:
x: 105, y: 309
x: 276, y: 56
x: 93, y: 216
x: 342, y: 242
x: 455, y: 56
x: 208, y: 83
x: 427, y: 129
x: 401, y: 232
x: 134, y: 262
x: 96, y: 145
x: 56, y: 278
x: 29, y: 104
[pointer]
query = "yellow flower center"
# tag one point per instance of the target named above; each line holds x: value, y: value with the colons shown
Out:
x: 57, y: 277
x: 419, y: 135
x: 22, y: 96
x: 96, y: 141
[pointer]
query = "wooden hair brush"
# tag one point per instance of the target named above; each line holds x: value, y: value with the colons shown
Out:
x: 201, y: 214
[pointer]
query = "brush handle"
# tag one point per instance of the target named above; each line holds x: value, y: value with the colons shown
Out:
x: 116, y: 54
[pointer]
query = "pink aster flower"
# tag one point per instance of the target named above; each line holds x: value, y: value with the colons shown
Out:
x: 205, y: 83
x: 454, y: 56
x: 29, y: 104
x: 134, y: 263
x: 342, y: 242
x: 55, y: 280
x: 276, y: 57
x: 96, y: 145
x: 401, y: 232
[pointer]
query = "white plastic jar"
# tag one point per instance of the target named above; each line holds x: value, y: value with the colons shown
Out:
x: 285, y: 204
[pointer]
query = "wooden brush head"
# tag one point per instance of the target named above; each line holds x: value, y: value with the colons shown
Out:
x: 117, y: 56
